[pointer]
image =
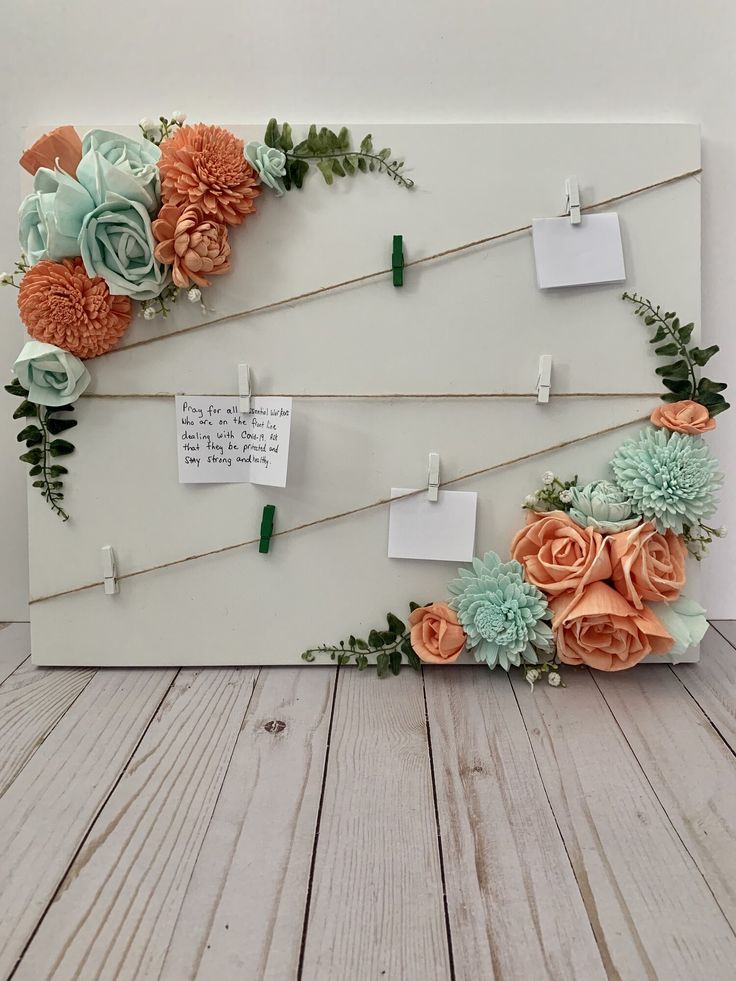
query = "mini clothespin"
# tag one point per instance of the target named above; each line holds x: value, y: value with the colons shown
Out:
x: 433, y: 477
x: 109, y: 573
x: 544, y: 378
x: 244, y: 387
x: 572, y: 200
x: 266, y: 527
x: 397, y: 260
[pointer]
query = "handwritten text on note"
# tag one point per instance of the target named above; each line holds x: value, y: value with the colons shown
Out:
x: 217, y: 443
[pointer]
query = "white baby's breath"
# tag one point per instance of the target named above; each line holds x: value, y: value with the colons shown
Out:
x: 554, y: 679
x: 149, y: 313
x: 178, y: 117
x: 194, y: 295
x: 548, y: 478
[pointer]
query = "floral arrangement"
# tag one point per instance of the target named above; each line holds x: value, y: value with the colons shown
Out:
x: 116, y: 226
x: 597, y: 574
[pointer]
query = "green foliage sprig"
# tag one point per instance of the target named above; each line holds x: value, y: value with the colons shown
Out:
x: 330, y: 152
x: 40, y: 437
x: 680, y: 376
x: 553, y: 495
x: 389, y: 647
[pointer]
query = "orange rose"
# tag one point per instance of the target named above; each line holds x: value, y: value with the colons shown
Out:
x: 683, y: 417
x: 599, y: 628
x: 558, y: 555
x: 647, y: 565
x: 62, y: 143
x: 436, y: 635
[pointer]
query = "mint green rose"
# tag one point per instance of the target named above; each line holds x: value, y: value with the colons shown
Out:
x: 269, y: 163
x: 117, y: 243
x: 684, y: 620
x: 115, y: 164
x: 51, y: 216
x: 602, y: 506
x: 52, y: 376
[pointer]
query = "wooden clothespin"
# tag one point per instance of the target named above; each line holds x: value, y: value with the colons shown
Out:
x: 397, y: 260
x: 244, y: 391
x: 433, y: 477
x: 544, y: 378
x: 572, y: 200
x: 266, y: 527
x: 109, y: 573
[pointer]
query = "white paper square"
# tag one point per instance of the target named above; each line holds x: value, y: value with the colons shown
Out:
x: 443, y: 530
x: 578, y: 255
x: 218, y: 444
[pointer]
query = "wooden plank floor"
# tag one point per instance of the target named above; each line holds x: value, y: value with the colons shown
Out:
x: 312, y: 823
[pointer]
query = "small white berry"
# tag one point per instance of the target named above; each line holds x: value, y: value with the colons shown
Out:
x: 146, y: 123
x: 178, y: 117
x: 149, y: 313
x: 548, y: 478
x: 566, y: 496
x: 530, y: 500
x: 554, y: 679
x: 194, y: 295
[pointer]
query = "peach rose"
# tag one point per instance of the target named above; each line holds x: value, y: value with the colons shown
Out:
x: 683, y: 417
x: 436, y: 635
x: 599, y: 628
x: 647, y: 565
x: 62, y: 144
x: 558, y: 555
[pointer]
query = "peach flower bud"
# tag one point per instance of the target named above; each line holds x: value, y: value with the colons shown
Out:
x: 62, y: 144
x: 436, y: 634
x: 686, y: 417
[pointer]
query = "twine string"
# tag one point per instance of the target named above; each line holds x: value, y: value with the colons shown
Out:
x: 367, y: 277
x: 387, y: 396
x: 327, y: 519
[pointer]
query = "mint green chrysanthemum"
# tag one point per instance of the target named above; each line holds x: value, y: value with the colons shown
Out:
x: 503, y: 615
x: 671, y: 478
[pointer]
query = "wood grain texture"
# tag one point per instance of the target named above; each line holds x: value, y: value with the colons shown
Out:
x: 712, y: 682
x: 514, y: 907
x: 15, y: 647
x: 244, y: 907
x: 376, y: 907
x: 652, y: 913
x: 47, y: 811
x: 690, y: 768
x: 32, y: 700
x: 115, y: 911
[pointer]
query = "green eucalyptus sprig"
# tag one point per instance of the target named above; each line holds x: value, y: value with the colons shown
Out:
x: 331, y: 153
x: 40, y: 434
x: 389, y: 647
x: 680, y: 376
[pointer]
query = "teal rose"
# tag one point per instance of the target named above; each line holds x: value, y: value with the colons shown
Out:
x: 269, y: 163
x: 602, y: 506
x: 117, y: 244
x: 114, y: 164
x: 51, y: 376
x: 51, y: 216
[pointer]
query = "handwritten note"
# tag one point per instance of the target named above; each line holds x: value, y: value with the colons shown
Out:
x: 217, y: 443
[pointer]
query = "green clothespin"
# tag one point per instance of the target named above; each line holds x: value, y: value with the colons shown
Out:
x: 397, y: 260
x: 266, y: 527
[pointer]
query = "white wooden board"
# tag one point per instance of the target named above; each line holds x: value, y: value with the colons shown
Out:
x: 472, y: 323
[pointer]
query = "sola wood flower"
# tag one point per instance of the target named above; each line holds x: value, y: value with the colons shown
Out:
x: 59, y: 304
x: 436, y: 634
x: 194, y: 246
x: 206, y: 166
x: 683, y: 417
x: 647, y: 565
x: 61, y: 144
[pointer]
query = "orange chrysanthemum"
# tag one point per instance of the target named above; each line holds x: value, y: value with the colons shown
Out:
x: 206, y: 166
x: 61, y: 305
x: 195, y: 247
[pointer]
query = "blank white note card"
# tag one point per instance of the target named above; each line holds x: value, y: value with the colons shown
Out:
x: 443, y: 530
x: 578, y: 255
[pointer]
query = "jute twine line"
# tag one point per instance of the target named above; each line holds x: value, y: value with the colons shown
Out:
x: 382, y: 502
x: 373, y: 395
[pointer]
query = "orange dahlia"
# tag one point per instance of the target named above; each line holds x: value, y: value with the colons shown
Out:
x: 206, y: 166
x: 61, y: 305
x: 194, y: 246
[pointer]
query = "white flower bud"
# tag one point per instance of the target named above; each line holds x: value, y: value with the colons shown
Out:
x: 548, y: 478
x: 146, y: 124
x: 178, y: 117
x: 194, y: 295
x: 530, y: 500
x: 532, y: 675
x: 554, y: 679
x: 6, y: 278
x: 722, y: 531
x: 566, y: 496
x: 149, y: 313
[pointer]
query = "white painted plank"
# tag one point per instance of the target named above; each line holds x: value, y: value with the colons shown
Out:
x: 690, y: 768
x: 514, y: 907
x: 243, y: 913
x: 32, y: 700
x: 376, y: 907
x: 115, y: 911
x: 651, y: 910
x: 48, y: 809
x: 712, y: 682
x: 15, y: 646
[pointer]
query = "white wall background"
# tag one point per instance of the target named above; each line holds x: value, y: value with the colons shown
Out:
x: 422, y: 60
